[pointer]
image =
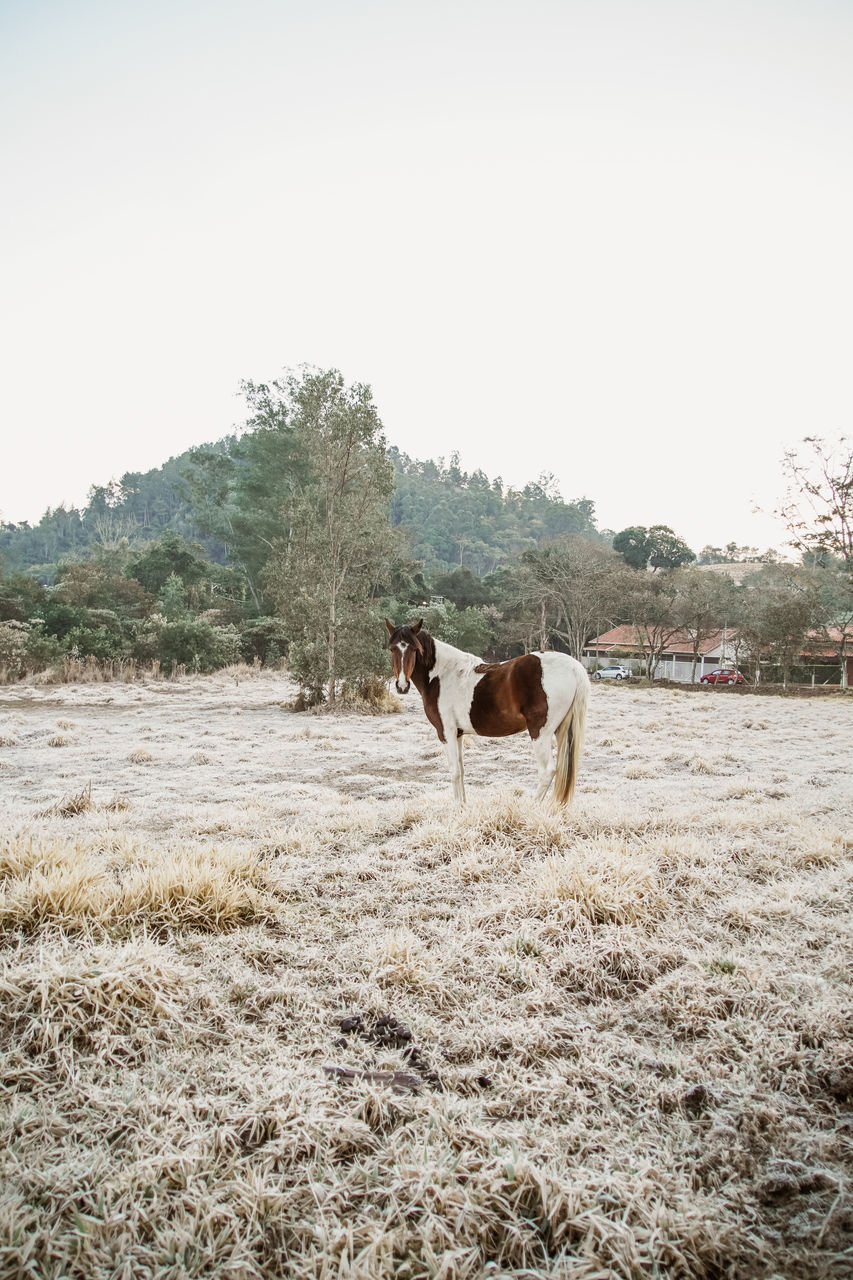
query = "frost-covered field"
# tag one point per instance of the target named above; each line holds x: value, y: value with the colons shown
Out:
x: 613, y: 1042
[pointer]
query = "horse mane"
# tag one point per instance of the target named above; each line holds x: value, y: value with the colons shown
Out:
x: 427, y: 644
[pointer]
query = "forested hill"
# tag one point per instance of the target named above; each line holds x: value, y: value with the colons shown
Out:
x: 221, y: 494
x: 140, y: 506
x: 461, y: 518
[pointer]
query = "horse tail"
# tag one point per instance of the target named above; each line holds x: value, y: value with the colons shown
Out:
x: 570, y: 735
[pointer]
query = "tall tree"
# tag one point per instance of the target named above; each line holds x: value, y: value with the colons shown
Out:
x: 323, y: 574
x: 778, y: 608
x: 835, y: 596
x: 704, y: 605
x: 577, y: 584
x: 239, y: 493
x: 652, y: 603
x: 818, y: 506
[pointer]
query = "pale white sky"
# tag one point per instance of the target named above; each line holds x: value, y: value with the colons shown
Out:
x: 607, y: 239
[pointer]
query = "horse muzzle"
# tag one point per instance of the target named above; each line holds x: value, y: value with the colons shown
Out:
x: 402, y: 685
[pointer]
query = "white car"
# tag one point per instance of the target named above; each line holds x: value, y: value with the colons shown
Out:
x: 612, y: 673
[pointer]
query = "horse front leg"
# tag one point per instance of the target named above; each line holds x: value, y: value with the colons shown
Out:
x: 544, y: 756
x: 453, y: 748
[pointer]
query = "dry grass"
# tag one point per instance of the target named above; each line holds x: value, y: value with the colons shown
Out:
x: 68, y: 885
x: 72, y: 805
x: 622, y: 1044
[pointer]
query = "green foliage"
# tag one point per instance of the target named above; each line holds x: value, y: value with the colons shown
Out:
x: 25, y: 648
x: 42, y: 649
x: 170, y: 556
x: 633, y: 545
x: 265, y: 639
x: 731, y: 553
x: 667, y: 550
x: 198, y: 646
x: 469, y: 629
x: 135, y: 509
x: 239, y: 492
x: 173, y: 599
x: 463, y: 588
x: 323, y: 575
x: 657, y: 546
x: 97, y: 642
x: 60, y: 618
x: 464, y: 520
x: 21, y: 597
x: 13, y: 648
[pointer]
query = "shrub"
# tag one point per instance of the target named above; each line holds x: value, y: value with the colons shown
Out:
x: 197, y: 645
x: 25, y: 648
x: 96, y: 642
x: 13, y: 648
x: 43, y: 650
x: 263, y: 638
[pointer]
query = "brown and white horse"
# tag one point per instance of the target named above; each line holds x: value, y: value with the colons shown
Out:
x: 544, y: 693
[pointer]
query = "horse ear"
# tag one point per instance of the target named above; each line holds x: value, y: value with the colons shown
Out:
x: 416, y: 626
x: 390, y: 626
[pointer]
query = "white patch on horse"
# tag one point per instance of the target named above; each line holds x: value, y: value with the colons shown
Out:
x: 455, y: 670
x: 401, y: 646
x: 560, y: 682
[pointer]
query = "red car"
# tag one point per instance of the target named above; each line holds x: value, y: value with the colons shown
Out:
x: 722, y: 677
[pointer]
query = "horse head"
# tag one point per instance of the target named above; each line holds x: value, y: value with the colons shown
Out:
x: 405, y: 648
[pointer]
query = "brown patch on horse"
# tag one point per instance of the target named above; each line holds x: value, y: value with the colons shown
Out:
x: 427, y: 688
x: 509, y: 698
x: 430, y: 697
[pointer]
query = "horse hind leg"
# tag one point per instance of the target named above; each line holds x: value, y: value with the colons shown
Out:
x: 453, y: 749
x: 543, y: 754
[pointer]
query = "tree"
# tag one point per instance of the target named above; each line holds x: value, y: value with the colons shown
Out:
x: 173, y: 600
x: 778, y: 608
x: 835, y: 594
x: 731, y: 553
x: 652, y: 603
x: 323, y: 571
x: 703, y: 606
x: 576, y: 583
x: 658, y: 546
x: 239, y: 487
x: 169, y: 555
x: 818, y: 506
x: 633, y: 545
x: 667, y: 550
x: 463, y: 588
x: 462, y: 519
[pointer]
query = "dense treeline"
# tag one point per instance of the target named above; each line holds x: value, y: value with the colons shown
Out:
x: 460, y: 518
x: 140, y: 506
x: 293, y: 537
x: 227, y: 496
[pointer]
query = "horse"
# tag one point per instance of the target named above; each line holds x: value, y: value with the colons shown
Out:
x: 544, y: 693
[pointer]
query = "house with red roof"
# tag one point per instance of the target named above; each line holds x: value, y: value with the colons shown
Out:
x: 626, y: 644
x: 676, y: 661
